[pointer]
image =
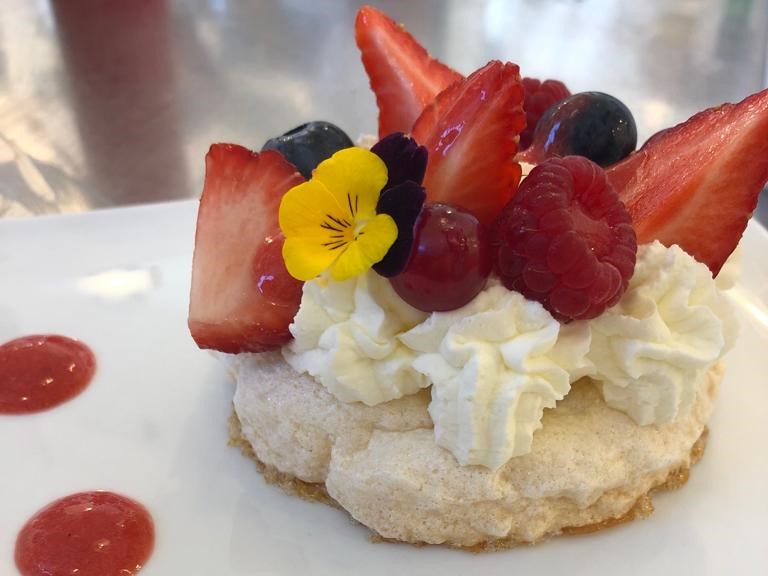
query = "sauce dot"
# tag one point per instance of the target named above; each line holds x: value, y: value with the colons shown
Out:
x: 87, y: 534
x: 41, y: 371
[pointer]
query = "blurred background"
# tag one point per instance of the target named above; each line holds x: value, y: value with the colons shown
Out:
x: 115, y: 102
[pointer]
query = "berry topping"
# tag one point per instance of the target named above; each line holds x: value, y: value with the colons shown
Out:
x: 309, y: 144
x: 405, y: 159
x: 697, y: 184
x: 590, y: 124
x: 450, y: 260
x: 566, y: 240
x: 539, y: 97
x: 242, y: 297
x: 470, y: 132
x: 404, y: 77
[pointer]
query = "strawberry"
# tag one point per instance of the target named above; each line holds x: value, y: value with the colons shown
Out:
x: 404, y: 77
x: 697, y: 184
x: 471, y: 133
x: 242, y: 297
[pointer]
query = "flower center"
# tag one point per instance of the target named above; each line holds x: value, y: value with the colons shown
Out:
x: 342, y: 231
x: 339, y: 229
x: 359, y: 225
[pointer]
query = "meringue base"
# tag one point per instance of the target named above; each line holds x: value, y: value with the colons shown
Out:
x: 591, y: 467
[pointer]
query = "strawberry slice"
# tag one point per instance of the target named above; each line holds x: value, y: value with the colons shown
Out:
x: 471, y: 133
x: 697, y: 184
x: 242, y: 297
x: 404, y: 77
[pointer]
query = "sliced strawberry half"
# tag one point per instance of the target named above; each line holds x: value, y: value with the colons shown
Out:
x: 404, y: 77
x: 242, y: 297
x: 471, y: 133
x: 697, y: 184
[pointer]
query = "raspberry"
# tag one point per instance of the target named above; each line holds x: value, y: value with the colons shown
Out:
x: 566, y: 240
x: 539, y: 96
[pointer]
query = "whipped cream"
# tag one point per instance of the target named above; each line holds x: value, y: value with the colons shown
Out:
x: 495, y: 364
x: 652, y: 349
x: 345, y: 336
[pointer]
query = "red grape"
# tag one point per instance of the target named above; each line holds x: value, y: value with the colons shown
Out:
x: 450, y: 260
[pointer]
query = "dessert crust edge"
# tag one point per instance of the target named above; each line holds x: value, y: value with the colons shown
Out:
x: 316, y: 492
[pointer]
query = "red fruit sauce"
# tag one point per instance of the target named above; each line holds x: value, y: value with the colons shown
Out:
x: 41, y: 371
x: 87, y: 534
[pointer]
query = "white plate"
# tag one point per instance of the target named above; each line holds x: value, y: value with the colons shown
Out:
x: 153, y: 426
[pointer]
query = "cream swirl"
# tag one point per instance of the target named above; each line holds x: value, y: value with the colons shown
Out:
x: 495, y: 364
x: 652, y: 349
x: 345, y: 336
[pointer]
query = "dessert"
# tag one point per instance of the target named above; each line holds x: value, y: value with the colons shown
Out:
x: 457, y: 357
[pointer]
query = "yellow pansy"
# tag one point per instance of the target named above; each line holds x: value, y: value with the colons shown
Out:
x: 330, y: 221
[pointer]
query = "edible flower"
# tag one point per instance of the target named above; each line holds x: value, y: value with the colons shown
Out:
x: 330, y: 221
x: 405, y: 159
x: 402, y: 197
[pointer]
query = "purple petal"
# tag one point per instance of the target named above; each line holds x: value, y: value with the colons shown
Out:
x: 403, y: 202
x: 405, y: 159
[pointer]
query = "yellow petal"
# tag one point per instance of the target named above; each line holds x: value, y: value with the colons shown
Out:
x: 355, y: 176
x: 319, y: 217
x: 304, y: 209
x: 372, y: 243
x: 306, y: 259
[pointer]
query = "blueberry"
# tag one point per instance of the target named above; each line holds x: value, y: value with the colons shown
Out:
x: 590, y: 124
x: 309, y: 144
